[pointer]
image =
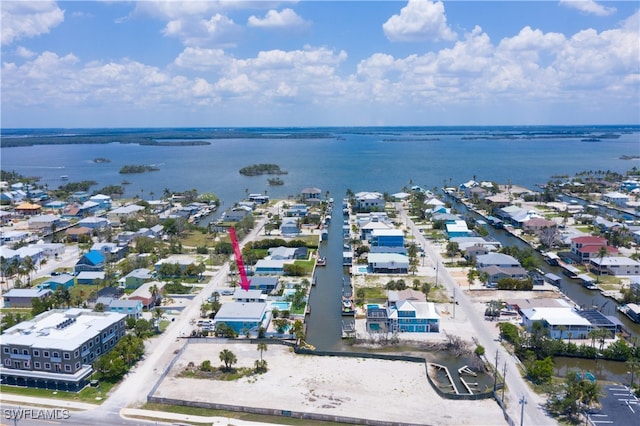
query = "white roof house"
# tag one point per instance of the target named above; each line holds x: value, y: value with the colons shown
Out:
x: 560, y: 321
x: 388, y: 262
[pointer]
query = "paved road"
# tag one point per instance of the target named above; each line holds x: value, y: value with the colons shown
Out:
x: 159, y: 351
x: 534, y: 413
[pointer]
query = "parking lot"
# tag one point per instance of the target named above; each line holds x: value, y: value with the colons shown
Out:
x: 619, y: 407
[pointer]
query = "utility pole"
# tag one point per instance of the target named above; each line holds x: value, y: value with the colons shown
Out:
x: 504, y: 379
x: 522, y: 402
x: 495, y: 373
x: 454, y: 303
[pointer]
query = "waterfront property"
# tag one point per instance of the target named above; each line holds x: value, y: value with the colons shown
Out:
x: 614, y: 265
x: 588, y: 247
x: 244, y: 317
x: 403, y: 316
x: 55, y: 350
x: 269, y: 267
x: 561, y: 322
x: 392, y: 263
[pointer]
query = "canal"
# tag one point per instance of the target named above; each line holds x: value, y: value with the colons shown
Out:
x: 324, y: 322
x: 582, y: 296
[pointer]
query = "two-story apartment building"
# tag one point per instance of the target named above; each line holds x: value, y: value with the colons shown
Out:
x: 55, y: 349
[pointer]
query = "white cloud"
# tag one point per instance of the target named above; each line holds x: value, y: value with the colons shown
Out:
x: 589, y: 6
x: 23, y: 52
x: 25, y: 19
x: 287, y: 18
x: 419, y: 20
x: 532, y: 66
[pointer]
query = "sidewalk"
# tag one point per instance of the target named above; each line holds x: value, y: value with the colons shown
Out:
x: 6, y: 397
x: 134, y: 413
x: 127, y: 413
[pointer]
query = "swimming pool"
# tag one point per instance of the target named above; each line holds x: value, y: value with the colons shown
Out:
x: 281, y: 306
x: 363, y: 269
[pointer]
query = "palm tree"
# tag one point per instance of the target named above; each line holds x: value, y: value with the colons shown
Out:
x: 262, y: 347
x: 228, y: 358
x: 602, y: 252
x: 154, y: 294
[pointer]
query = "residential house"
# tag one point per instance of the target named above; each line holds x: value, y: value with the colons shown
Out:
x: 44, y: 223
x: 136, y: 278
x: 241, y: 295
x: 496, y: 273
x: 94, y: 222
x: 123, y: 213
x: 63, y: 280
x: 90, y: 277
x: 93, y: 260
x: 77, y: 232
x: 23, y: 297
x: 236, y: 214
x: 404, y: 316
x: 311, y: 195
x: 111, y: 251
x: 476, y: 193
x: 561, y: 322
x: 145, y: 294
x: 103, y: 201
x: 457, y: 228
x: 56, y: 349
x: 369, y: 201
x: 536, y: 225
x: 28, y: 209
x: 387, y: 238
x: 130, y: 308
x: 244, y: 317
x: 496, y: 259
x: 282, y: 253
x: 264, y: 283
x: 80, y: 197
x: 388, y: 263
x: 616, y: 198
x: 374, y: 224
x: 50, y: 249
x: 588, y: 247
x: 269, y: 267
x: 289, y: 227
x: 614, y: 265
x: 34, y: 253
x: 297, y: 210
x: 13, y: 237
x: 182, y: 260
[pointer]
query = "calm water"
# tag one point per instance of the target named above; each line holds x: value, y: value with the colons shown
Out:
x: 372, y: 159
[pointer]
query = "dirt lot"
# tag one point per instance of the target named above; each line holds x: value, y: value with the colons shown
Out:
x: 392, y: 391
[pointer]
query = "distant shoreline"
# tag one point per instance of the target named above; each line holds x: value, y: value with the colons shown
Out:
x: 204, y: 136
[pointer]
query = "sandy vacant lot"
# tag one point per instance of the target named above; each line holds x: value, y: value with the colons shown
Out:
x: 355, y: 387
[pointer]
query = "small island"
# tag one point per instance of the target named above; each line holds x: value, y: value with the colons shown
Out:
x: 101, y: 160
x: 276, y: 181
x: 262, y: 169
x: 137, y: 169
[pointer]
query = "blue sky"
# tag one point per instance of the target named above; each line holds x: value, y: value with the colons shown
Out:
x: 319, y: 63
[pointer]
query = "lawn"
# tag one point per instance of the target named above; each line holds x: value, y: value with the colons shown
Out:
x: 88, y: 394
x: 235, y: 415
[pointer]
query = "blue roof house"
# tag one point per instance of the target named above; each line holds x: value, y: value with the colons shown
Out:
x: 91, y: 261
